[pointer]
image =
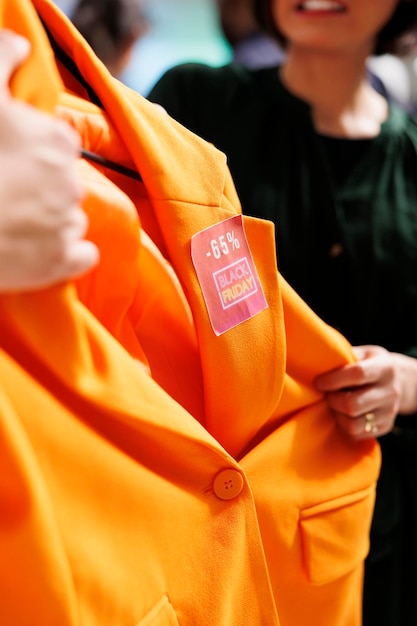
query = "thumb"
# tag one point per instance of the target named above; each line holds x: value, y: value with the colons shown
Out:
x: 81, y: 256
x: 14, y: 49
x: 364, y: 352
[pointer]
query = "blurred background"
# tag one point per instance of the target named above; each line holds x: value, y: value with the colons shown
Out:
x: 179, y: 30
x: 189, y: 30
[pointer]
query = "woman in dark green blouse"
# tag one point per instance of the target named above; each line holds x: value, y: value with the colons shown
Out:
x: 315, y: 149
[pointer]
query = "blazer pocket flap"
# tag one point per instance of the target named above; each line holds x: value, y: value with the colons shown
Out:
x: 334, y: 541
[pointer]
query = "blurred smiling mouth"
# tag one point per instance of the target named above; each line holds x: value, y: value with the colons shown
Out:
x: 321, y: 6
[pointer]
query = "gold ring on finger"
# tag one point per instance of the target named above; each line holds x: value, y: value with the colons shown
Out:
x: 370, y: 423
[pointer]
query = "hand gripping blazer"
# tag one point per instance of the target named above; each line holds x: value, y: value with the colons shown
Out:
x: 154, y: 472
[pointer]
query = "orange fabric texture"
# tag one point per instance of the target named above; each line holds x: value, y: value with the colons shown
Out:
x: 153, y: 472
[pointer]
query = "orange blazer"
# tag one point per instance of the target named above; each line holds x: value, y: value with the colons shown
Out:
x: 155, y: 470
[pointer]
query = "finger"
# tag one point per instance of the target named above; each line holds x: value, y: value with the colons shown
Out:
x: 67, y: 136
x: 77, y: 226
x: 352, y: 403
x: 367, y: 426
x: 366, y: 351
x: 14, y: 49
x: 361, y: 352
x: 365, y: 372
x: 364, y: 427
x: 80, y: 258
x: 350, y: 375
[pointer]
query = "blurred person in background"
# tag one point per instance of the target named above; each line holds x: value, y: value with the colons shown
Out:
x: 250, y: 45
x: 111, y: 27
x: 313, y: 148
x: 397, y: 70
x: 254, y: 48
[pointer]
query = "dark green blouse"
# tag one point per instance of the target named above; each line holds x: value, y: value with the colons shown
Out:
x: 347, y: 244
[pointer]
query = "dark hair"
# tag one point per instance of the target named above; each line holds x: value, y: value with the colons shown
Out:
x: 398, y: 36
x: 109, y: 25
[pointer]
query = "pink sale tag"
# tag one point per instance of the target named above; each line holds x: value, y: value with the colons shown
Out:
x: 227, y: 274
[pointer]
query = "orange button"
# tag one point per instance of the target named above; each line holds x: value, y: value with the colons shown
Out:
x: 228, y: 484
